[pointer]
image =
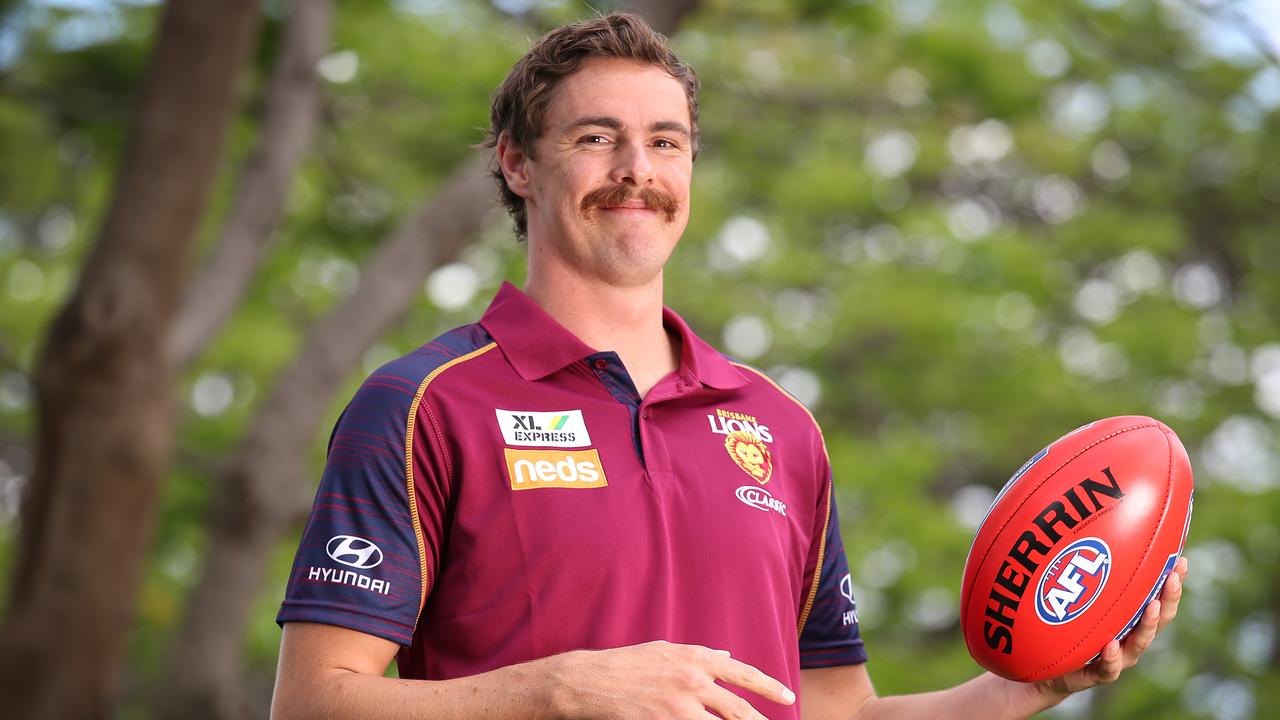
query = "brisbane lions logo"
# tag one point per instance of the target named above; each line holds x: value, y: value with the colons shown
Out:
x: 751, y: 454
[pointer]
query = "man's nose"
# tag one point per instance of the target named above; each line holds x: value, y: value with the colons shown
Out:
x: 632, y: 165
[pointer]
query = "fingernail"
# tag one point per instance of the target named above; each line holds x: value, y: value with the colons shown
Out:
x: 722, y: 652
x: 788, y: 697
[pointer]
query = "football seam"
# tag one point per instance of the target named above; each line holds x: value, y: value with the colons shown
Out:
x: 1164, y: 513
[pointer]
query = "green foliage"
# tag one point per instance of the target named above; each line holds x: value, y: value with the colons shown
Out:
x: 957, y: 230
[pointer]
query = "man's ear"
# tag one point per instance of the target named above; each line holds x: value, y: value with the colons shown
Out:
x: 514, y: 162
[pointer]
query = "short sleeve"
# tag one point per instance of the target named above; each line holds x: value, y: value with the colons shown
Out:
x: 829, y: 632
x: 359, y: 564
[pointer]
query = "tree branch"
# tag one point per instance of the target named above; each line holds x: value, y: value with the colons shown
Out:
x: 290, y: 111
x: 264, y: 489
x: 1230, y: 12
x: 664, y: 15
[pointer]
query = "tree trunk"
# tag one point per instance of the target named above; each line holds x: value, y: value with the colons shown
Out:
x: 103, y: 382
x: 663, y: 15
x: 265, y: 489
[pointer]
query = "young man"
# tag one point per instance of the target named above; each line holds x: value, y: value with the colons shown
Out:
x: 575, y: 507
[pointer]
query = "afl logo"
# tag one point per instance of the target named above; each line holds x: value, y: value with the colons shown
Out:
x: 1073, y: 581
x: 354, y: 551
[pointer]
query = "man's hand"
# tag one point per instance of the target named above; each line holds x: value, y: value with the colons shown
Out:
x: 657, y: 679
x: 1119, y: 656
x: 329, y: 671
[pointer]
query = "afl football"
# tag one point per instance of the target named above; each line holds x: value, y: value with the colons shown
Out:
x: 1077, y: 543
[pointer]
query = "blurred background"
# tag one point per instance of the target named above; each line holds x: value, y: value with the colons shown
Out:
x: 956, y: 229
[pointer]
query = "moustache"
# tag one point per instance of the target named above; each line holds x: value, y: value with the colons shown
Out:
x: 613, y: 195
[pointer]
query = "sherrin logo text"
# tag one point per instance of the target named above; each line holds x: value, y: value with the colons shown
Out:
x: 530, y: 469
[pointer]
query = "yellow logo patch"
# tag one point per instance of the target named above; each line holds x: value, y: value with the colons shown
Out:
x: 529, y: 469
x: 751, y: 454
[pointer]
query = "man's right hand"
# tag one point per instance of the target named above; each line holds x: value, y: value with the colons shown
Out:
x: 657, y: 679
x: 329, y: 671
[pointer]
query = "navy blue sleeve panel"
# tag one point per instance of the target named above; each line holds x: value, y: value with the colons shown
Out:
x: 359, y: 564
x: 830, y: 636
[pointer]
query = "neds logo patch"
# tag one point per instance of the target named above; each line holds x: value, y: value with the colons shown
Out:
x: 530, y: 469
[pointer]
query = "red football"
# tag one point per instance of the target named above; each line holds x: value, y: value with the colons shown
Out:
x: 1077, y: 543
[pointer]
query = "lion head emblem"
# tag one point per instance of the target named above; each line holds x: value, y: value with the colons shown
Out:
x: 751, y: 454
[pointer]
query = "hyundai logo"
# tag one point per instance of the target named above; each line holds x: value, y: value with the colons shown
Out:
x: 354, y: 551
x: 846, y: 588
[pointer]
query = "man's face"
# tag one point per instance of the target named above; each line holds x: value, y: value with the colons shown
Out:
x: 608, y: 193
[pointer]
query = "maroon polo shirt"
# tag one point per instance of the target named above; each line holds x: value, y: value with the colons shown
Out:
x: 503, y: 494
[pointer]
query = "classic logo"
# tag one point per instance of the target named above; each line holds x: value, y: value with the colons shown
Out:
x: 354, y: 551
x: 760, y: 499
x: 560, y: 428
x: 530, y: 469
x: 1073, y: 581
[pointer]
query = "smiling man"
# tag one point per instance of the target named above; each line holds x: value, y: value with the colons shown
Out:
x: 576, y: 508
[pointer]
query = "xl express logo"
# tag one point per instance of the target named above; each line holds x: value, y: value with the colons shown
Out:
x: 558, y: 428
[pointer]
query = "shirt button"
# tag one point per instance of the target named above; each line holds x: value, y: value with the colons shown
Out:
x: 601, y: 364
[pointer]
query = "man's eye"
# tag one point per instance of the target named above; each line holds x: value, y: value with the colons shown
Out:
x: 594, y: 139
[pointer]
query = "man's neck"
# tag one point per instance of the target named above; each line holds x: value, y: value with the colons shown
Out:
x: 627, y: 321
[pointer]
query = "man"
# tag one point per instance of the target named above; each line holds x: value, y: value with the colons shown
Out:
x: 575, y: 507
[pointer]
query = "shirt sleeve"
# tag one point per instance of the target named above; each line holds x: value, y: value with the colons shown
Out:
x: 359, y: 563
x: 829, y: 634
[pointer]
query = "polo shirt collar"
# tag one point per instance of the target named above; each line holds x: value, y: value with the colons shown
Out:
x: 699, y: 359
x: 537, y: 345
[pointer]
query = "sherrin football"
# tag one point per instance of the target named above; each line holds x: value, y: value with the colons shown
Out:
x: 1077, y: 543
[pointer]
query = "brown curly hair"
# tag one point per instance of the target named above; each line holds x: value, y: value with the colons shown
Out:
x: 520, y: 103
